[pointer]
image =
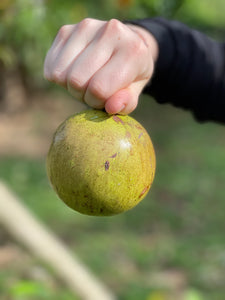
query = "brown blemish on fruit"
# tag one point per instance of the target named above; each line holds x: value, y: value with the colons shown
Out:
x: 140, y: 135
x: 113, y: 156
x: 107, y: 165
x: 131, y: 151
x: 143, y: 192
x: 117, y: 119
x: 128, y: 134
x: 138, y: 126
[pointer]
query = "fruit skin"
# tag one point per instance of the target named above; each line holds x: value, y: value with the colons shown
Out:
x: 101, y: 164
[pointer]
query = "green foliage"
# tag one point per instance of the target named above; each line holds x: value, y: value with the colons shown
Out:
x: 28, y: 27
x: 33, y: 290
x: 14, y: 285
x: 204, y: 13
x: 28, y: 290
x: 178, y: 226
x: 193, y: 295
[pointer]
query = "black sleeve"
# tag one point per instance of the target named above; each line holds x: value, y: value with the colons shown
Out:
x: 190, y: 70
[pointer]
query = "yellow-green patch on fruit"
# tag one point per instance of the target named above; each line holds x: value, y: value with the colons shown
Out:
x: 101, y: 164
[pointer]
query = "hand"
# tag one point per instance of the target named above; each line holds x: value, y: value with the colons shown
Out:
x: 103, y: 63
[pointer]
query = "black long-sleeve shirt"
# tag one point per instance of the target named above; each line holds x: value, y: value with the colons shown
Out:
x: 190, y: 70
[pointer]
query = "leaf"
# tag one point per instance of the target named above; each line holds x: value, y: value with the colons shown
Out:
x: 27, y: 288
x: 192, y: 295
x: 157, y: 295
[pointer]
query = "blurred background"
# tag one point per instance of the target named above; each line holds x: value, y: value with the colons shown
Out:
x: 172, y: 245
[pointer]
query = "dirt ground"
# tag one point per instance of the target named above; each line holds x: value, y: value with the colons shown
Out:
x: 28, y: 131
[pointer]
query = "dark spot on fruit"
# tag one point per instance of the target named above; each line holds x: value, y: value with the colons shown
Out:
x: 131, y: 151
x: 143, y: 192
x: 107, y: 165
x: 128, y: 134
x: 138, y: 126
x: 85, y: 204
x: 117, y: 119
x: 113, y: 156
x: 140, y: 135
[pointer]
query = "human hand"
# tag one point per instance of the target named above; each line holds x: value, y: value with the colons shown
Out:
x: 103, y: 63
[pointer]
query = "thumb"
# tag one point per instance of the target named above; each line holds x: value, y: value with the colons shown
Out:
x: 125, y: 100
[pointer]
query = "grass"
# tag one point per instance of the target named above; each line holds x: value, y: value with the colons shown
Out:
x: 178, y: 227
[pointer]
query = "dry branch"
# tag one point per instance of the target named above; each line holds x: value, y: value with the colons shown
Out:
x: 44, y: 244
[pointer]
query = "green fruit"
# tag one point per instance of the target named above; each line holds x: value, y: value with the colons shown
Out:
x: 101, y: 164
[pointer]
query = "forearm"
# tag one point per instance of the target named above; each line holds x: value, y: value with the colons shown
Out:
x: 189, y: 71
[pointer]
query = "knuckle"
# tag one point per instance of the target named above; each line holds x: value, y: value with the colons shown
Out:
x: 112, y: 29
x: 58, y: 76
x: 84, y: 24
x: 114, y: 24
x: 74, y: 81
x: 97, y: 88
x: 63, y: 31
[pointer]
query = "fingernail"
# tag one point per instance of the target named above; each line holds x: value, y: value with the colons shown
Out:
x: 121, y: 109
